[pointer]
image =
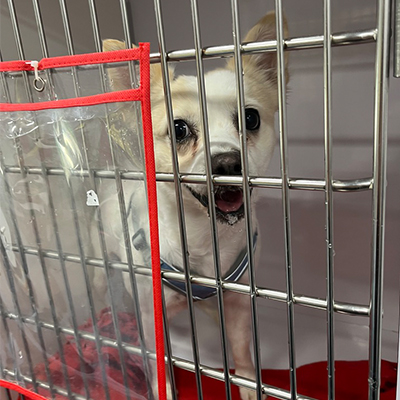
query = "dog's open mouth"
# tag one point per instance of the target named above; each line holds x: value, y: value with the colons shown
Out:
x: 228, y: 203
x: 230, y: 200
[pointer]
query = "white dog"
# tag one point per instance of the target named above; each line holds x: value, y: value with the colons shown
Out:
x: 260, y: 82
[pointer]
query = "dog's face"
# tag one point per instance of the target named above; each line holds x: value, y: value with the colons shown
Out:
x: 260, y: 83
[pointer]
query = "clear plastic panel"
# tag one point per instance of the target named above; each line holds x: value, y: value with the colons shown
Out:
x: 75, y: 253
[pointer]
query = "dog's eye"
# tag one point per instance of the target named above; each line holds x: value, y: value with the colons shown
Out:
x: 182, y: 130
x: 252, y: 119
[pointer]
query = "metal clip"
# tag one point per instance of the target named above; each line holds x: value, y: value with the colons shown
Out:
x: 38, y: 82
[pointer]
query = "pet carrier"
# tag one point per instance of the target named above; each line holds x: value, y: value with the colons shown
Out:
x: 80, y: 235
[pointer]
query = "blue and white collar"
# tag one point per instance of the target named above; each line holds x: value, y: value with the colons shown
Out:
x: 200, y: 292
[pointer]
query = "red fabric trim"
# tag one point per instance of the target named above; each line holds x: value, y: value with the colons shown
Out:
x: 19, y: 65
x: 112, y: 97
x: 153, y: 219
x: 19, y: 389
x: 75, y: 60
x: 70, y: 61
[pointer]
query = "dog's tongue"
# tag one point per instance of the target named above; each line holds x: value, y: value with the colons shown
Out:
x: 229, y: 201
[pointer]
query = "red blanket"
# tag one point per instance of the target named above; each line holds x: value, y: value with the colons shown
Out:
x: 351, y: 382
x: 351, y: 377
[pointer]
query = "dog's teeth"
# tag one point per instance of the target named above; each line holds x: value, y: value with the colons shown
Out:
x: 232, y: 219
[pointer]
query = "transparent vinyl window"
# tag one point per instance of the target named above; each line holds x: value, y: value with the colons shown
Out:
x: 72, y: 222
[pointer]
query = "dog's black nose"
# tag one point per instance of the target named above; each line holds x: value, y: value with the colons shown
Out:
x: 226, y: 163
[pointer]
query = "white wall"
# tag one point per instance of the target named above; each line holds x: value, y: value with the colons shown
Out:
x: 353, y: 91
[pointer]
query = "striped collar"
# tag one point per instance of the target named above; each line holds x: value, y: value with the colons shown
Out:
x: 200, y: 292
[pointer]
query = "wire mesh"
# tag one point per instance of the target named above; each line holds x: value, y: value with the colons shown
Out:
x: 285, y: 183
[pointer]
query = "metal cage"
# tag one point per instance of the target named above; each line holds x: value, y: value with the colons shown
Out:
x: 375, y: 184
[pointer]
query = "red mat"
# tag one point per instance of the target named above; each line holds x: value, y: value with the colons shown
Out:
x: 351, y: 382
x: 351, y: 377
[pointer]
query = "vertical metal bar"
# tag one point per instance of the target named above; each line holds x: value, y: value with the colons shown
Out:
x: 396, y: 40
x: 246, y: 191
x: 8, y: 394
x: 10, y: 343
x: 120, y: 191
x: 281, y: 75
x: 4, y: 86
x: 329, y: 198
x: 43, y: 46
x: 379, y: 194
x: 210, y: 192
x: 178, y: 191
x: 40, y: 28
x: 95, y: 26
x: 17, y: 38
x: 100, y: 228
x: 168, y: 351
x: 133, y: 77
x: 7, y: 391
x: 125, y: 23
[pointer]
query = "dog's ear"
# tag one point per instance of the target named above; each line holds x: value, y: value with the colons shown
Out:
x: 264, y: 30
x: 120, y: 77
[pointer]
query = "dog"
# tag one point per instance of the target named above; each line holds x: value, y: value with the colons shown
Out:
x: 261, y: 103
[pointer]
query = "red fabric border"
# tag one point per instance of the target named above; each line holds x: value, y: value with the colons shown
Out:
x: 21, y: 390
x: 112, y: 97
x: 75, y: 60
x: 19, y: 65
x: 153, y: 221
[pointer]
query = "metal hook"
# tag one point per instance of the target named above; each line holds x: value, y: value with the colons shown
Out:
x: 38, y: 82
